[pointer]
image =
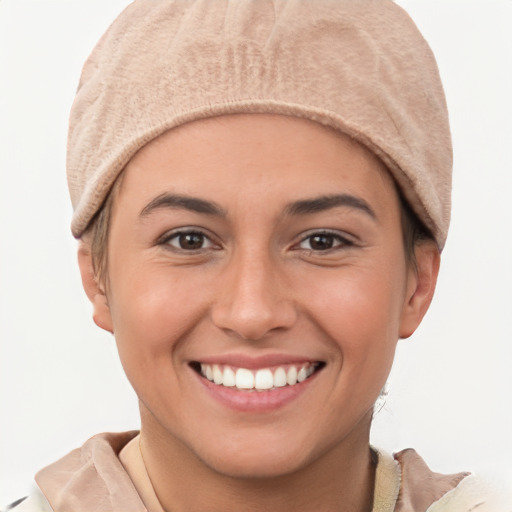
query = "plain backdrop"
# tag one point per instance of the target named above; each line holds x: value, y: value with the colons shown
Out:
x: 61, y: 382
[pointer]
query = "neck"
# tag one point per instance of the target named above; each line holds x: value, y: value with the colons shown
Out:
x: 340, y: 480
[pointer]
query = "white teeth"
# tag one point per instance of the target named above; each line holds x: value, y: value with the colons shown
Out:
x: 291, y: 376
x: 302, y: 375
x: 262, y: 379
x: 244, y: 379
x: 217, y: 374
x: 279, y: 378
x: 229, y: 377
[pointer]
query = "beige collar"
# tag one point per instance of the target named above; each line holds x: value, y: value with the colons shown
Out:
x: 387, y: 479
x: 107, y: 473
x: 387, y: 482
x: 131, y: 458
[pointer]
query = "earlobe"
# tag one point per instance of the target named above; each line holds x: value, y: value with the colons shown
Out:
x: 421, y: 285
x: 93, y: 290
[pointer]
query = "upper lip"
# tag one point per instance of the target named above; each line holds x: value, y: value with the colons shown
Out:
x: 255, y: 362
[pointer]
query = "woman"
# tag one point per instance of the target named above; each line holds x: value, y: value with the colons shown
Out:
x: 261, y: 206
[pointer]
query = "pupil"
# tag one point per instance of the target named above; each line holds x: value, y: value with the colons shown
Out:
x: 321, y: 242
x: 191, y: 241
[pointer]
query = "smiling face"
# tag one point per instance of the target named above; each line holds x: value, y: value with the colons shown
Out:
x: 257, y: 251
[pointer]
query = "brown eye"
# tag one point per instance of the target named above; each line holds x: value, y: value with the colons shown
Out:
x: 189, y: 241
x: 323, y: 242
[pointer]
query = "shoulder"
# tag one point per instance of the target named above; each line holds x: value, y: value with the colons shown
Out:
x: 425, y: 490
x: 88, y: 478
x: 475, y: 493
x: 36, y: 502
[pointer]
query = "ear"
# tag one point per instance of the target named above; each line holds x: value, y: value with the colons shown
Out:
x: 421, y: 284
x: 93, y: 289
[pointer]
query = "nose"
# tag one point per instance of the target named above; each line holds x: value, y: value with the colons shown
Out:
x: 253, y: 299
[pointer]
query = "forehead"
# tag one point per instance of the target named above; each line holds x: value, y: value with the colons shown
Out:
x: 270, y: 153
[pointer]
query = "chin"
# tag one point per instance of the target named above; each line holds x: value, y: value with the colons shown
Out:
x: 257, y: 467
x: 257, y: 456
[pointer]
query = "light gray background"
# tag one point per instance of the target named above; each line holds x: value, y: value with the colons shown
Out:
x: 450, y: 390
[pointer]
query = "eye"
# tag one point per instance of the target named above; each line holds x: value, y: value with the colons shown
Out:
x: 323, y: 241
x: 188, y: 241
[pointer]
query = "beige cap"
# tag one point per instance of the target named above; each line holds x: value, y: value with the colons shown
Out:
x: 359, y: 66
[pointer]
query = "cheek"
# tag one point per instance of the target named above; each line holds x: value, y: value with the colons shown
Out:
x: 360, y: 311
x: 151, y: 315
x: 360, y: 301
x: 362, y: 322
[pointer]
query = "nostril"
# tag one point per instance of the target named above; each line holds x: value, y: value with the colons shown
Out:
x: 253, y: 322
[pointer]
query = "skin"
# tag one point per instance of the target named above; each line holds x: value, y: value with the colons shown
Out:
x: 259, y: 284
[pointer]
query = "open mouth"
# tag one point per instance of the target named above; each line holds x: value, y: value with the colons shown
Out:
x: 262, y: 379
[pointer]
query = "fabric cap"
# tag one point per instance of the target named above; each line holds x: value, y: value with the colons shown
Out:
x: 359, y: 66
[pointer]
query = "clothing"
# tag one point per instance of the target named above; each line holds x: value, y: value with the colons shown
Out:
x: 105, y: 473
x: 360, y: 67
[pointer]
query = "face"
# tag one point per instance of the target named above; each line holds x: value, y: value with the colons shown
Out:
x: 257, y: 286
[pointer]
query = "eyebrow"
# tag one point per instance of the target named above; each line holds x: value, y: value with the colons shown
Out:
x: 301, y: 207
x: 193, y: 204
x: 320, y: 204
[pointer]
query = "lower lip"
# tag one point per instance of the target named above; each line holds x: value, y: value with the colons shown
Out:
x: 256, y: 401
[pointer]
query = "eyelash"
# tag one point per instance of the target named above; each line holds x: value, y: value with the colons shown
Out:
x: 168, y: 238
x: 337, y: 241
x: 334, y: 240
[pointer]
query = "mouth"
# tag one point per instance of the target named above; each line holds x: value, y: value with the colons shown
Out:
x: 257, y: 380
